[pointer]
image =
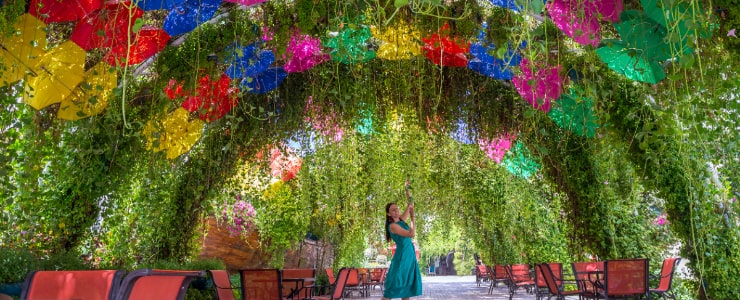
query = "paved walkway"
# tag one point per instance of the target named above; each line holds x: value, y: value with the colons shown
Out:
x: 456, y: 287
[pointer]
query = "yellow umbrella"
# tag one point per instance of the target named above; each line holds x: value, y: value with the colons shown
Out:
x: 21, y: 49
x: 400, y: 42
x: 91, y: 96
x: 175, y: 133
x: 57, y: 73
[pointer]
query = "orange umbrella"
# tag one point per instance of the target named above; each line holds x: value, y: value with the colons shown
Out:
x: 91, y: 96
x: 56, y: 74
x: 22, y: 49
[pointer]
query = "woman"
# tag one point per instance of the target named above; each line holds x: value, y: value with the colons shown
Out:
x: 403, y: 279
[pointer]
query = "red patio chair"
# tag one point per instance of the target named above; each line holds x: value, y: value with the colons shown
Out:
x: 481, y: 274
x: 497, y: 274
x: 518, y: 277
x: 157, y: 284
x: 539, y: 278
x: 337, y: 288
x: 551, y: 283
x: 666, y: 278
x: 354, y: 283
x: 261, y: 284
x: 222, y: 284
x: 295, y: 279
x: 89, y: 284
x: 377, y: 278
x: 583, y: 273
x: 625, y: 278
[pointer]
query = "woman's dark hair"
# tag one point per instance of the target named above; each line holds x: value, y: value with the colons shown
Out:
x: 388, y: 222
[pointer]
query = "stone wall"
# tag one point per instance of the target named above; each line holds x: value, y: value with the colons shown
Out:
x: 244, y: 252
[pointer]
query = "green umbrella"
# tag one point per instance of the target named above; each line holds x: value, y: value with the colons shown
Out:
x: 349, y: 45
x: 631, y: 62
x: 519, y: 161
x: 575, y: 112
x: 639, y: 31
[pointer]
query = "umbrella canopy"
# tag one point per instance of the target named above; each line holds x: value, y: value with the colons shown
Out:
x: 264, y: 82
x: 630, y: 62
x: 148, y: 42
x: 680, y: 21
x: 51, y: 11
x: 519, y: 161
x: 57, y: 73
x: 22, y: 49
x: 349, y: 45
x: 640, y: 32
x: 364, y: 124
x: 175, y: 133
x: 488, y: 65
x: 497, y: 147
x: 303, y: 53
x: 212, y: 99
x: 107, y: 27
x: 247, y: 61
x: 539, y: 87
x: 445, y: 50
x: 91, y: 96
x: 575, y: 112
x: 397, y: 43
x: 189, y: 15
x: 148, y: 5
x: 579, y: 19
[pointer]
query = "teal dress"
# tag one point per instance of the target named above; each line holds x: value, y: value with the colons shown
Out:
x: 403, y: 279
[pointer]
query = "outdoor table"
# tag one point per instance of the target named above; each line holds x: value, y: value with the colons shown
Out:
x: 300, y: 283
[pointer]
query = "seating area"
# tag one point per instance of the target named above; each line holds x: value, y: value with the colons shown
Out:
x: 610, y: 279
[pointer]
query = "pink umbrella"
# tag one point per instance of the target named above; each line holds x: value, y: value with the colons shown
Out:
x: 496, y: 148
x: 546, y: 85
x: 579, y: 19
x: 304, y: 53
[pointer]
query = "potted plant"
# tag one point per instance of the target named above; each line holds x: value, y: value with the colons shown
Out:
x: 15, y: 264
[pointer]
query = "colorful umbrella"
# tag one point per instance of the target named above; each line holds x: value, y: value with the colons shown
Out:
x: 488, y: 65
x: 638, y: 31
x: 496, y: 148
x: 264, y: 82
x: 398, y: 43
x: 575, y: 112
x: 579, y: 19
x: 22, y: 49
x: 57, y: 73
x: 246, y: 2
x: 107, y: 27
x: 630, y: 62
x: 510, y: 4
x: 148, y: 5
x: 248, y: 61
x: 349, y: 45
x: 364, y: 124
x: 189, y: 15
x: 680, y: 20
x: 212, y: 99
x: 174, y: 133
x: 148, y: 42
x: 539, y: 87
x: 284, y: 166
x: 519, y: 161
x: 51, y: 11
x: 91, y: 96
x: 303, y: 53
x: 445, y: 50
x: 327, y: 124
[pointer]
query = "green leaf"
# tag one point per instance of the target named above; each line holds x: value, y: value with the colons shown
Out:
x: 400, y: 3
x: 137, y: 25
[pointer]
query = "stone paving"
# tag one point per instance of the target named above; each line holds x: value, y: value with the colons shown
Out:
x: 455, y: 287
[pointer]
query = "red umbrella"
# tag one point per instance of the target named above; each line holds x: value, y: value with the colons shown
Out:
x: 445, y: 50
x: 51, y: 11
x: 212, y: 99
x: 107, y: 27
x: 149, y: 41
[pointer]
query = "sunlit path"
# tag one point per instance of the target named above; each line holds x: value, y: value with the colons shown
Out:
x: 456, y: 287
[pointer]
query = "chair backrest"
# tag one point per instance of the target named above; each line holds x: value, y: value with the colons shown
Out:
x: 580, y: 272
x: 330, y: 274
x: 519, y: 272
x: 222, y: 284
x: 626, y: 277
x: 544, y: 272
x: 261, y: 284
x: 338, y: 290
x: 500, y: 272
x: 481, y: 271
x: 157, y: 284
x: 557, y: 271
x: 376, y: 274
x: 308, y: 276
x: 89, y: 284
x: 666, y: 273
x: 353, y: 278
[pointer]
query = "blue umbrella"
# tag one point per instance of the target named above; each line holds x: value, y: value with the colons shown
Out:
x: 158, y: 4
x: 491, y: 66
x: 249, y: 62
x: 189, y: 15
x: 266, y: 81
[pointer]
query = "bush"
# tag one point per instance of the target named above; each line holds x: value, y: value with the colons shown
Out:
x: 15, y: 264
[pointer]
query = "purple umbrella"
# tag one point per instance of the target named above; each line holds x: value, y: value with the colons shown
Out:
x: 579, y: 19
x: 546, y: 85
x: 304, y: 52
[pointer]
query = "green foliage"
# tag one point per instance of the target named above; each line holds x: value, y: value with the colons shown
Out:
x: 15, y: 264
